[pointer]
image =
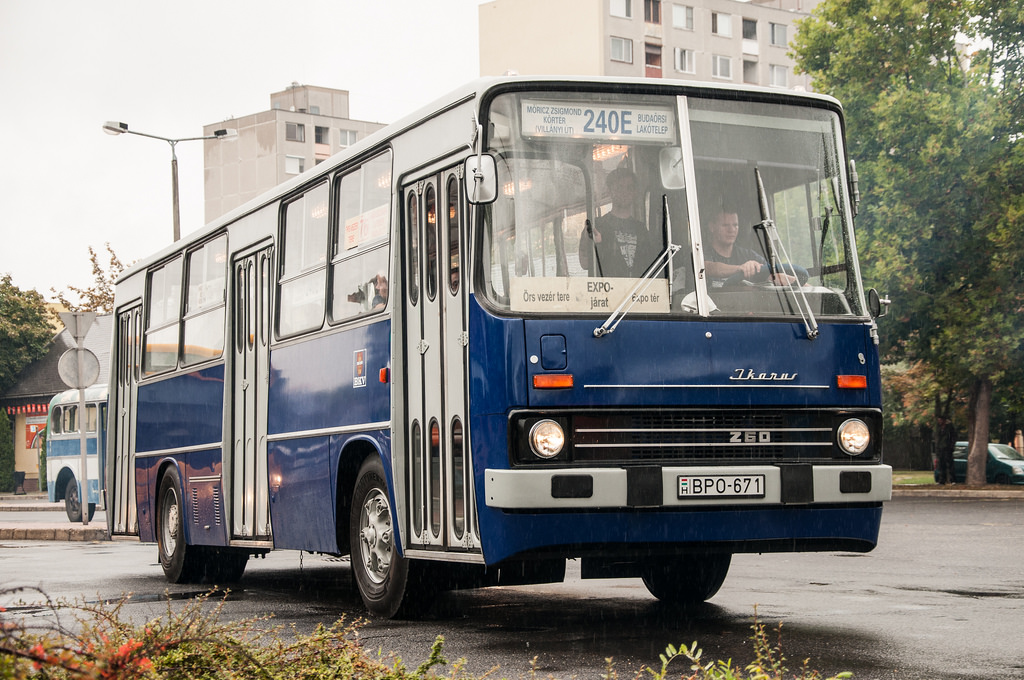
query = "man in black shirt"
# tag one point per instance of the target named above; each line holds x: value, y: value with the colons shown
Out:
x: 618, y: 244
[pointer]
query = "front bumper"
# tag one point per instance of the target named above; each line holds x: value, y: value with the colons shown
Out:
x: 657, y: 487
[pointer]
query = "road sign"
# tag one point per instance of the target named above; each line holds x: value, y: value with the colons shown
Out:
x: 67, y: 368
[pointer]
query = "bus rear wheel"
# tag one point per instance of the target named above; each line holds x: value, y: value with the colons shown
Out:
x: 181, y: 563
x: 388, y: 583
x: 73, y: 504
x: 689, y: 580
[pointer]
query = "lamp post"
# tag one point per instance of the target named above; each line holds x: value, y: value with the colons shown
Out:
x: 112, y: 127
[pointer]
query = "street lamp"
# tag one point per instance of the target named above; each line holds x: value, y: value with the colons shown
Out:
x: 112, y: 127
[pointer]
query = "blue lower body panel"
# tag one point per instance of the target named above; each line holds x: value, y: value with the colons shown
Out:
x: 624, y: 534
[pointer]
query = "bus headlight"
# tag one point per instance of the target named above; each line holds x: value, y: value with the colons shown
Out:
x: 854, y: 437
x: 547, y: 438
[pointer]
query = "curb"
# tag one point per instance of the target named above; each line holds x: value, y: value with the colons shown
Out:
x: 79, y: 533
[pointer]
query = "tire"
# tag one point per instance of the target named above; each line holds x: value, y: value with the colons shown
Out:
x: 181, y: 563
x: 1001, y: 479
x: 72, y: 503
x: 690, y: 580
x: 389, y: 584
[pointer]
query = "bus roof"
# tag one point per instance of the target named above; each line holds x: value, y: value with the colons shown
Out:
x: 92, y: 395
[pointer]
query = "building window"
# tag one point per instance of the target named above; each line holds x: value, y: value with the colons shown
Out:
x: 622, y: 8
x: 721, y: 24
x: 652, y: 60
x: 323, y: 135
x: 315, y: 110
x: 652, y: 11
x: 749, y: 29
x: 295, y: 132
x: 682, y: 17
x: 622, y: 50
x: 750, y: 72
x: 778, y: 75
x: 721, y: 66
x: 778, y: 35
x: 685, y: 61
x: 294, y: 165
x: 347, y: 138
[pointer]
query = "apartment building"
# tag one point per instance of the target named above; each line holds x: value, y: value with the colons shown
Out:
x: 305, y: 125
x: 712, y: 40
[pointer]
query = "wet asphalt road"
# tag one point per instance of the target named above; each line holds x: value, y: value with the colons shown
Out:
x: 941, y: 597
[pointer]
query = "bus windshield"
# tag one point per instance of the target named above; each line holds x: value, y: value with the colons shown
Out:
x: 654, y: 200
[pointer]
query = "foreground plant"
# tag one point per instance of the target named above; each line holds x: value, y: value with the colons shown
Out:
x: 97, y: 640
x: 65, y: 640
x: 768, y: 664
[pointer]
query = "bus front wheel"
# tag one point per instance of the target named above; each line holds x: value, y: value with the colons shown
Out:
x: 181, y: 563
x: 73, y: 504
x: 688, y: 580
x: 387, y: 582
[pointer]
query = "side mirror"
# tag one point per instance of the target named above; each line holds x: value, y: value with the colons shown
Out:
x: 670, y: 162
x: 481, y: 179
x: 877, y: 305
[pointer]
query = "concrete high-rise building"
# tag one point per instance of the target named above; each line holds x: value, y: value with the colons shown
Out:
x: 712, y: 40
x: 305, y: 125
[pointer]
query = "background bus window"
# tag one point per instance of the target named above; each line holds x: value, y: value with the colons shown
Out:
x: 69, y: 420
x: 161, y: 350
x: 303, y: 269
x: 204, y: 304
x: 359, y: 268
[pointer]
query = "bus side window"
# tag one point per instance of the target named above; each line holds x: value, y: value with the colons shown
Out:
x: 163, y: 310
x: 56, y: 420
x: 204, y: 302
x: 360, y: 264
x: 303, y: 284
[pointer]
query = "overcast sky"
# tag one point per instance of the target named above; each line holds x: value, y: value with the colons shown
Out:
x: 168, y: 68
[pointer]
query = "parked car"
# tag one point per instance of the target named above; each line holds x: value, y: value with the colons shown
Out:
x: 1005, y: 465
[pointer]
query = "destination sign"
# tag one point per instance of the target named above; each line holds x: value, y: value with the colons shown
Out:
x: 625, y: 122
x: 577, y: 294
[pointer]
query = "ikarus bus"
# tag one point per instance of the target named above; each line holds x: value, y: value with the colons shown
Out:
x: 614, y: 321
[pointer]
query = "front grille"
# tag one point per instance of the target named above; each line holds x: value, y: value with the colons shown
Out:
x: 696, y: 437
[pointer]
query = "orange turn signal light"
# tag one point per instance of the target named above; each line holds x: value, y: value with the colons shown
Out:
x: 852, y: 382
x: 550, y: 381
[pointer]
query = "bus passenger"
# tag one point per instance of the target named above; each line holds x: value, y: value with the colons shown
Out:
x: 380, y: 295
x: 618, y: 244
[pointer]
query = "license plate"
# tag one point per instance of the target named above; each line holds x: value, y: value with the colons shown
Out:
x: 721, y: 486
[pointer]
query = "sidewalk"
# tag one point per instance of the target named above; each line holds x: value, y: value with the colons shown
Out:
x: 53, y: 527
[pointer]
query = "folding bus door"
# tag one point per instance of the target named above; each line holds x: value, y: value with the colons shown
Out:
x: 436, y: 457
x: 122, y: 509
x: 250, y: 495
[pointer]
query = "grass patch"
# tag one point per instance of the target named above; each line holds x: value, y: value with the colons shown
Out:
x: 912, y: 477
x: 70, y: 640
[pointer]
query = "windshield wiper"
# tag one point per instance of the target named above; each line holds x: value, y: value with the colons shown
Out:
x: 660, y: 262
x: 773, y: 245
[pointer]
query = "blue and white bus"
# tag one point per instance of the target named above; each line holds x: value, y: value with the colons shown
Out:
x: 438, y: 353
x: 64, y: 450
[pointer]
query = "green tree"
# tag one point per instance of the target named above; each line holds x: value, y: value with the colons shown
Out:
x: 937, y: 136
x: 6, y: 453
x: 98, y: 297
x: 25, y: 330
